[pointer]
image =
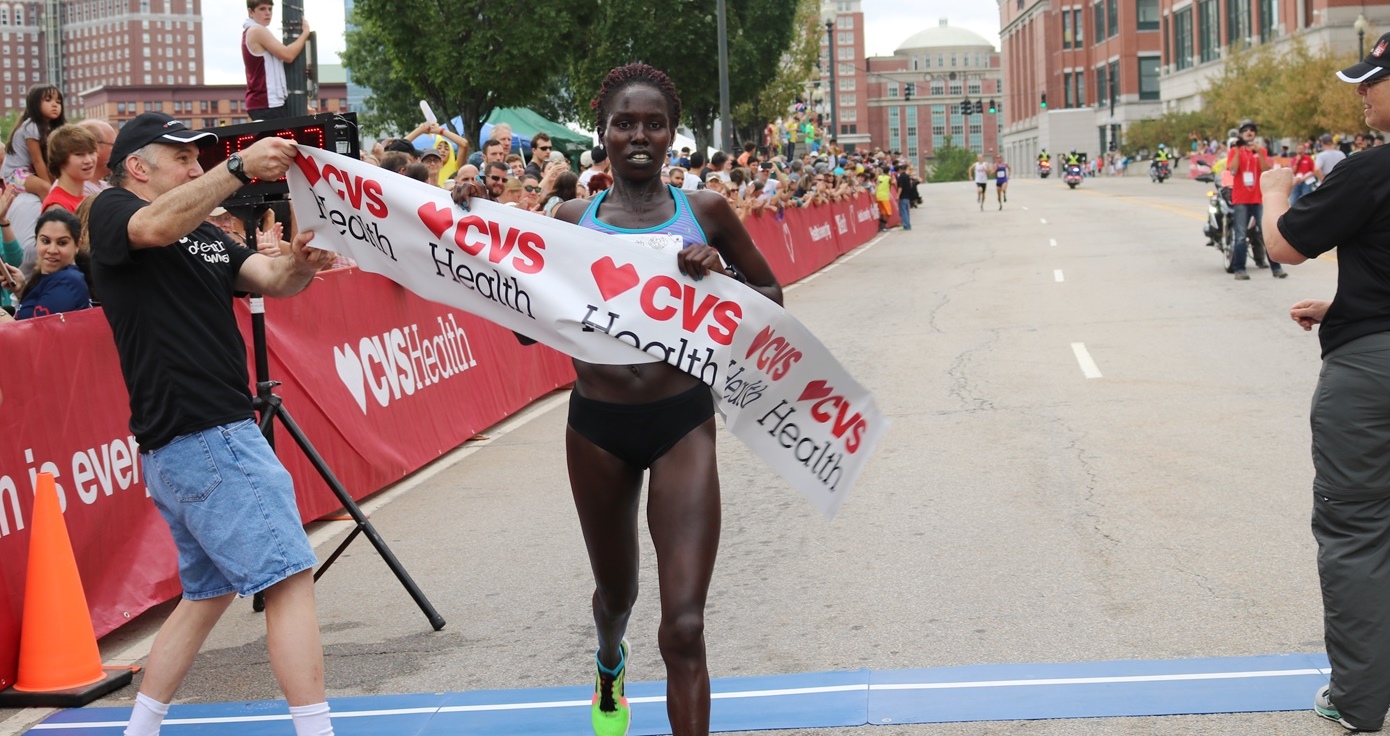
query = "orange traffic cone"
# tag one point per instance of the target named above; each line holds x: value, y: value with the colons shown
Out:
x: 59, y: 663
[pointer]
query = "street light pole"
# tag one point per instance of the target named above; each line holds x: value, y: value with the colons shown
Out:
x: 1361, y: 25
x: 827, y: 13
x: 727, y: 128
x: 296, y: 73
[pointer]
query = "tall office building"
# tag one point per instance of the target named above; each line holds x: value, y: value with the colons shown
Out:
x: 846, y: 19
x: 356, y: 93
x: 80, y: 45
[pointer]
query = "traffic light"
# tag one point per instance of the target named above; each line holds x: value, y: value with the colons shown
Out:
x: 992, y: 108
x: 1043, y: 103
x: 979, y: 107
x: 966, y: 106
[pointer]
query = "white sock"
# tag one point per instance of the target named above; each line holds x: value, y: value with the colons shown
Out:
x: 311, y: 720
x: 146, y: 716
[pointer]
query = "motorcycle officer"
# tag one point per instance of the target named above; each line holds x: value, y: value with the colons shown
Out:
x: 1161, y: 157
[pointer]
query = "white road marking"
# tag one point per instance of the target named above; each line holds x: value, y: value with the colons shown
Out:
x: 1043, y: 220
x: 1047, y: 682
x: 1088, y: 366
x: 1057, y: 274
x: 1052, y: 242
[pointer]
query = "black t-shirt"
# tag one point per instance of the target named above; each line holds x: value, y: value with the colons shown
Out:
x: 907, y: 188
x: 170, y: 311
x: 1350, y: 211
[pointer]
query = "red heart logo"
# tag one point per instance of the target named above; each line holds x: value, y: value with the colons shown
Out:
x: 759, y: 340
x: 816, y: 389
x: 613, y: 279
x: 310, y: 169
x: 436, y: 218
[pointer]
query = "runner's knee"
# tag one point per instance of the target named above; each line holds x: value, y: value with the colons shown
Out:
x: 612, y: 602
x: 682, y: 636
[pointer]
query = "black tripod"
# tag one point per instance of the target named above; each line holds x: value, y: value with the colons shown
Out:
x: 270, y: 407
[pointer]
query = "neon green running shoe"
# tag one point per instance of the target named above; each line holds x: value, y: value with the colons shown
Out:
x: 610, y: 712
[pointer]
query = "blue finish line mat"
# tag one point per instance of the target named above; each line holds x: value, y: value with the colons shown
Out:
x: 813, y: 700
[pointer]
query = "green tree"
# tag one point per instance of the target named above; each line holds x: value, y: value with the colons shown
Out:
x: 464, y: 57
x: 951, y: 163
x: 794, y: 71
x: 680, y: 37
x: 1290, y: 90
x: 1174, y: 129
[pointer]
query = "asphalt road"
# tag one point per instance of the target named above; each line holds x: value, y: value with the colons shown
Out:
x: 1016, y: 511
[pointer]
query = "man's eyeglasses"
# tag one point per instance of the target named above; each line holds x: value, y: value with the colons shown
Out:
x: 533, y: 190
x: 497, y: 178
x: 543, y: 148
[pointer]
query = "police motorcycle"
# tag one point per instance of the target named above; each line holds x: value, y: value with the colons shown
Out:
x: 1220, y: 230
x: 1159, y: 170
x: 1044, y: 166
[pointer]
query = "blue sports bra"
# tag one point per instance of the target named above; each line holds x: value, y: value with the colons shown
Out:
x: 683, y: 223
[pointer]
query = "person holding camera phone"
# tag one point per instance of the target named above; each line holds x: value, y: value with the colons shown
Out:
x: 1246, y: 161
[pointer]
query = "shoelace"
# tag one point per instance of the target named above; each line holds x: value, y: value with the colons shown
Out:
x: 605, y: 693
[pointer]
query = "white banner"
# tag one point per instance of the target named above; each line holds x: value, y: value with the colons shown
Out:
x: 603, y: 299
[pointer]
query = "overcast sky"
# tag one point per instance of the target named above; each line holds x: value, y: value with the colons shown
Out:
x: 887, y: 23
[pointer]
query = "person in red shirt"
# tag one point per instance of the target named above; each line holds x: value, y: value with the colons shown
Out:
x: 1302, y: 166
x: 1246, y: 161
x: 72, y: 154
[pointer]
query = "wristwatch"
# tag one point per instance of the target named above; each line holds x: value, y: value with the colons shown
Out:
x: 235, y: 165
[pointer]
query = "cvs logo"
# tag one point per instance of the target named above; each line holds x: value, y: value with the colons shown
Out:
x: 833, y: 409
x: 355, y: 190
x: 500, y: 243
x: 663, y: 299
x: 776, y: 356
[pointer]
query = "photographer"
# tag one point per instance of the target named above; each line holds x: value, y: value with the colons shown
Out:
x: 1246, y: 161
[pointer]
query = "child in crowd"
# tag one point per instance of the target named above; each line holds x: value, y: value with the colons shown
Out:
x: 72, y: 155
x: 26, y: 152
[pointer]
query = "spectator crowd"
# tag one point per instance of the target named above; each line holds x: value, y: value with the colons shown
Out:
x: 51, y: 165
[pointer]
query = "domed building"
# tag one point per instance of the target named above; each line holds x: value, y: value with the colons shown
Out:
x: 916, y: 96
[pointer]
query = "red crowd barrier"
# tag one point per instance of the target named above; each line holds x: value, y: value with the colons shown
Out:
x: 381, y: 381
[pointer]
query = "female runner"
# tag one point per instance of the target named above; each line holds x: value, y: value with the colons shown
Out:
x: 627, y: 419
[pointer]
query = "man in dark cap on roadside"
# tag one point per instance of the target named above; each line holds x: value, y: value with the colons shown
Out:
x: 167, y: 280
x: 1349, y: 211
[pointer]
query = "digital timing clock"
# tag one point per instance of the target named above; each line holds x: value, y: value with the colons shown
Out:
x: 335, y: 132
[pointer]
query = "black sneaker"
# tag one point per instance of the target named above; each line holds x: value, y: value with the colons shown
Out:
x: 1281, y: 274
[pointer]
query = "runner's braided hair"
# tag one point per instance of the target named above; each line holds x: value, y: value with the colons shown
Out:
x: 626, y: 76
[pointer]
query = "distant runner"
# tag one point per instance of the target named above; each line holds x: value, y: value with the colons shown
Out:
x: 980, y: 171
x: 1001, y: 182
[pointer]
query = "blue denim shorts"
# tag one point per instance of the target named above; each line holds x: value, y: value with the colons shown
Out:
x: 230, y: 506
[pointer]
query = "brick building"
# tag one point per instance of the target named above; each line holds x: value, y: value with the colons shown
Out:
x: 81, y: 44
x: 1077, y: 73
x: 202, y: 106
x: 915, y: 95
x: 1198, y: 34
x: 851, y: 103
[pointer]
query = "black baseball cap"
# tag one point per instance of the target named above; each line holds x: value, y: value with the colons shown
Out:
x: 154, y: 127
x: 1376, y: 64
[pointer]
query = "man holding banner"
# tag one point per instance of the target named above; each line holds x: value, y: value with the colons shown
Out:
x: 167, y: 280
